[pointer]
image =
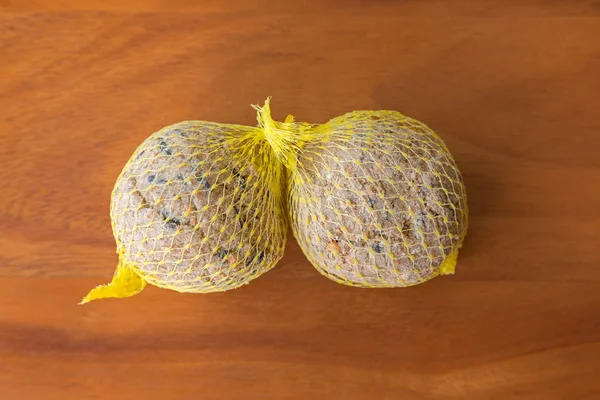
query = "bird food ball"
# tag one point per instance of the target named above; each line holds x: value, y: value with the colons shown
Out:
x: 198, y: 208
x: 376, y: 200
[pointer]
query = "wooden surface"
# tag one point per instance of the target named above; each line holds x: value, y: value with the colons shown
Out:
x: 512, y: 87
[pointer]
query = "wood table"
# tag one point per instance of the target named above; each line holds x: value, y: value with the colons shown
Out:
x: 512, y: 87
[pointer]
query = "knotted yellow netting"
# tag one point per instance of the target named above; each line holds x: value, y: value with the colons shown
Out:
x: 374, y: 199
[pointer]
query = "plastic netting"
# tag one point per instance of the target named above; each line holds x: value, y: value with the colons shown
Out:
x: 198, y: 208
x: 374, y: 198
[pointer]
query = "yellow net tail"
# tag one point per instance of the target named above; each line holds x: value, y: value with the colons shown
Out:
x: 285, y: 138
x: 448, y: 266
x: 125, y: 283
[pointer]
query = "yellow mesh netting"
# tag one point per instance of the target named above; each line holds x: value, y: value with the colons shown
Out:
x: 374, y: 199
x: 198, y: 208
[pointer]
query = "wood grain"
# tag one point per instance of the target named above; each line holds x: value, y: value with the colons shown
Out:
x: 512, y: 87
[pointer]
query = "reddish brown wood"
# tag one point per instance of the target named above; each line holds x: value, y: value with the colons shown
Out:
x: 512, y: 87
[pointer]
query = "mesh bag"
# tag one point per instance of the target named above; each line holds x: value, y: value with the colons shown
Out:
x: 198, y: 208
x: 375, y: 198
